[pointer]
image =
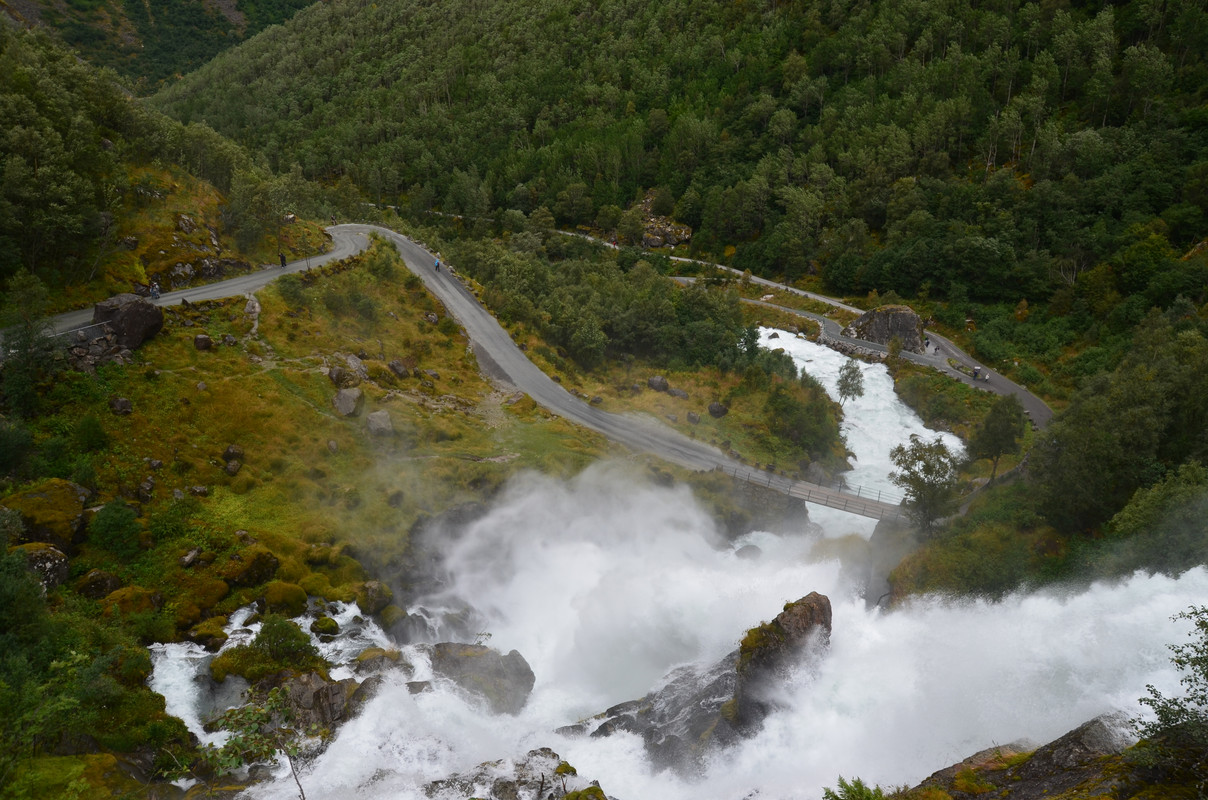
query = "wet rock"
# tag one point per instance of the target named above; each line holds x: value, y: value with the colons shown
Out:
x: 419, y: 687
x: 373, y: 596
x: 702, y: 708
x: 210, y: 633
x: 504, y: 681
x: 316, y: 701
x: 347, y: 402
x: 132, y: 319
x: 658, y: 383
x: 378, y: 659
x: 325, y: 626
x: 538, y: 775
x: 883, y: 324
x: 769, y: 650
x: 717, y: 410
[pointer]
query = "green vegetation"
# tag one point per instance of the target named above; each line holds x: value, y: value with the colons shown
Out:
x: 280, y: 645
x: 855, y: 789
x: 1000, y: 432
x: 1175, y: 739
x: 928, y: 473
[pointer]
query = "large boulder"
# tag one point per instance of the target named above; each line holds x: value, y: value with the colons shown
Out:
x: 48, y: 563
x: 883, y: 324
x: 51, y: 512
x: 379, y: 423
x: 702, y: 708
x: 658, y: 383
x: 504, y: 681
x: 316, y: 701
x: 373, y: 596
x: 769, y: 650
x: 542, y: 773
x: 347, y: 402
x: 133, y: 319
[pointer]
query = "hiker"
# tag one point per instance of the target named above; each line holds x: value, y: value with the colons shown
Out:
x: 154, y: 290
x: 282, y: 257
x: 438, y: 265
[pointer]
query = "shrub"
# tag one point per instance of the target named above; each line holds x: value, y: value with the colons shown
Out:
x: 1175, y: 741
x: 279, y: 645
x: 115, y: 528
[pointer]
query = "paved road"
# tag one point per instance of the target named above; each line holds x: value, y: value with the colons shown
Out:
x: 505, y: 361
x: 240, y: 285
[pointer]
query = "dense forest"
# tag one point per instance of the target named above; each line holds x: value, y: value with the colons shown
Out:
x: 153, y: 41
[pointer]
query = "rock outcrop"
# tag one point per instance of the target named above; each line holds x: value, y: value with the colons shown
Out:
x: 541, y: 773
x: 504, y: 681
x: 132, y: 319
x: 317, y: 701
x: 1079, y: 764
x: 347, y: 402
x: 703, y: 708
x: 48, y: 563
x: 883, y: 324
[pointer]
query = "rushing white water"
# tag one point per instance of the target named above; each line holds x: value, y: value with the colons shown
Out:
x: 605, y: 583
x: 872, y: 424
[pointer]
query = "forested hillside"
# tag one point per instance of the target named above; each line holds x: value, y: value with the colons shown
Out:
x: 153, y: 41
x: 1006, y: 147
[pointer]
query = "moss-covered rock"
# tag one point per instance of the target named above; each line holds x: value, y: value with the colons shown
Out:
x: 209, y: 633
x: 250, y: 566
x: 590, y: 793
x: 286, y: 599
x: 46, y: 561
x: 505, y: 681
x: 97, y: 583
x: 52, y: 512
x: 378, y: 659
x: 131, y: 600
x: 373, y: 596
x: 325, y: 626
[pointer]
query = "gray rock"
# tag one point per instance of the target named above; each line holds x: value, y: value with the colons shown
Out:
x: 347, y: 402
x: 693, y: 418
x: 333, y: 446
x: 658, y: 383
x: 504, y: 681
x: 596, y: 400
x: 202, y: 341
x: 717, y: 410
x: 229, y: 340
x: 232, y: 452
x: 232, y: 467
x: 680, y: 393
x: 356, y: 366
x: 399, y: 369
x: 48, y: 563
x: 199, y: 491
x: 121, y: 406
x: 379, y: 423
x: 323, y: 703
x: 133, y: 319
x: 883, y: 324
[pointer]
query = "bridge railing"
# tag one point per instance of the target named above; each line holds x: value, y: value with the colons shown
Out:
x: 866, y: 501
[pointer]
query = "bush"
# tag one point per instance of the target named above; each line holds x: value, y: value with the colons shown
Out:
x: 15, y: 445
x: 115, y: 528
x: 1175, y: 741
x: 279, y: 645
x: 90, y: 436
x: 292, y: 291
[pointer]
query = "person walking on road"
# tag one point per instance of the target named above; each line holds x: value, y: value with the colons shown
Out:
x: 437, y: 265
x: 282, y: 256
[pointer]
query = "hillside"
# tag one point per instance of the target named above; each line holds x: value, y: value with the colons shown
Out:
x: 153, y: 42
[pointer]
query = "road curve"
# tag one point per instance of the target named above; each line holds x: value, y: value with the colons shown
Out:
x: 494, y: 346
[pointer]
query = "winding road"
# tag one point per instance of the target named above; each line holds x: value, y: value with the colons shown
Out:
x: 501, y: 358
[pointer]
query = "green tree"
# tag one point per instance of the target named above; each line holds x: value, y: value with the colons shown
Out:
x: 260, y: 732
x: 1000, y: 432
x: 1175, y: 739
x: 927, y: 472
x: 851, y: 381
x: 27, y: 345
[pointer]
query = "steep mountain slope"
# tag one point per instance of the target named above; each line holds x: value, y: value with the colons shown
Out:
x: 150, y: 42
x: 996, y: 152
